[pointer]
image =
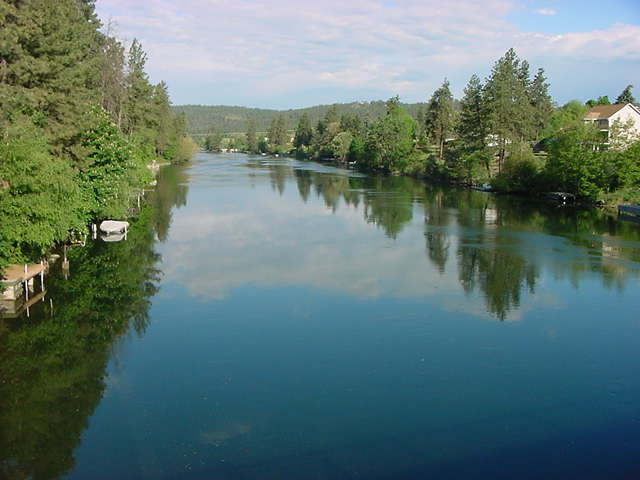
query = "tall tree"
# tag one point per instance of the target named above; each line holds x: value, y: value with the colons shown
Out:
x: 49, y: 66
x: 626, y: 96
x: 304, y: 133
x: 277, y: 134
x: 390, y: 140
x: 139, y: 90
x: 507, y: 102
x: 472, y: 127
x: 252, y: 139
x: 541, y: 102
x: 440, y: 117
x: 112, y: 77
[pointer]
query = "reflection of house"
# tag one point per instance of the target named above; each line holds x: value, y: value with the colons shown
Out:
x: 604, y: 117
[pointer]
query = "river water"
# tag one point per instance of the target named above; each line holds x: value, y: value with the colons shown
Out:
x: 272, y: 319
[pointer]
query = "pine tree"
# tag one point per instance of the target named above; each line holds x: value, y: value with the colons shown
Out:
x: 541, y: 103
x: 626, y: 96
x: 472, y: 127
x: 252, y: 140
x: 139, y: 90
x: 304, y: 133
x: 440, y: 117
x: 49, y: 67
x: 112, y: 78
x: 507, y: 103
x: 277, y: 134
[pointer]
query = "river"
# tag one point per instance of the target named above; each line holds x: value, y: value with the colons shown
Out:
x: 268, y: 318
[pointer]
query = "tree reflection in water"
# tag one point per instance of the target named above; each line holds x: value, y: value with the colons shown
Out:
x: 53, y: 364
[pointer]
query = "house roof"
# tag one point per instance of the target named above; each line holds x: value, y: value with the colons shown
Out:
x: 604, y: 111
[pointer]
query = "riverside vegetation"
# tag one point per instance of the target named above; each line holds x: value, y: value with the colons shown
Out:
x: 505, y: 131
x: 79, y: 124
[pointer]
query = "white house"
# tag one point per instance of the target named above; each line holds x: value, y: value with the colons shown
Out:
x: 605, y: 116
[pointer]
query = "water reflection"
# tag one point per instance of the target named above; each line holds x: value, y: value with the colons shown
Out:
x: 496, y: 247
x: 53, y: 364
x: 348, y: 339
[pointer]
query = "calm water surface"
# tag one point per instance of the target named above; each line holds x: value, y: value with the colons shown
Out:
x: 273, y: 319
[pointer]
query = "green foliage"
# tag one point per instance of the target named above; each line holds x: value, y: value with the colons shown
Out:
x: 517, y: 107
x: 626, y: 96
x: 340, y: 144
x: 521, y: 172
x: 116, y: 168
x: 213, y: 141
x: 357, y: 150
x: 228, y: 119
x: 304, y: 133
x: 40, y: 202
x: 472, y: 129
x: 277, y: 135
x: 390, y: 141
x: 604, y: 100
x: 474, y: 166
x: 440, y: 117
x: 252, y: 140
x: 79, y: 122
x: 53, y: 367
x: 576, y: 164
x: 569, y: 114
x: 624, y: 170
x: 187, y: 148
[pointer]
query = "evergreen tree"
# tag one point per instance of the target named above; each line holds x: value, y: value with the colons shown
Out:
x: 139, y: 91
x: 328, y: 127
x: 507, y: 101
x: 626, y: 96
x: 440, y: 117
x: 277, y: 134
x: 472, y: 127
x: 252, y: 140
x: 541, y: 103
x: 49, y: 67
x: 112, y: 78
x: 304, y: 133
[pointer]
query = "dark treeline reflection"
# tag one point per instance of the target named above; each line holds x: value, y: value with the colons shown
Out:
x: 496, y: 244
x: 53, y: 364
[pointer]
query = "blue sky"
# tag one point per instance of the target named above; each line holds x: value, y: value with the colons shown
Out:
x: 295, y: 53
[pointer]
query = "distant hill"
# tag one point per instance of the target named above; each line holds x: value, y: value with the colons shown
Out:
x: 202, y: 118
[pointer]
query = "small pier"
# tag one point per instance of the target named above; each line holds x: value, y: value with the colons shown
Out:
x: 19, y: 281
x: 629, y: 210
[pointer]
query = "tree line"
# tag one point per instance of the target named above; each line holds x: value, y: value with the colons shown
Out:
x: 79, y: 124
x: 505, y: 131
x: 205, y: 119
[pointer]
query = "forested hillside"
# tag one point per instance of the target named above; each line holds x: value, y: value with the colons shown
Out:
x: 79, y: 124
x: 202, y: 119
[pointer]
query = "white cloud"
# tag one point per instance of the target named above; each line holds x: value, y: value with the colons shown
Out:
x: 546, y: 11
x: 249, y: 52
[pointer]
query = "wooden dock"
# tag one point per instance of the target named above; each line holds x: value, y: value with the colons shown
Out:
x: 22, y: 273
x: 15, y: 276
x: 13, y: 308
x: 629, y: 209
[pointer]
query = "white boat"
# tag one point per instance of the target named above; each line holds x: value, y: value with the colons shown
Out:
x: 114, y: 237
x: 113, y: 227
